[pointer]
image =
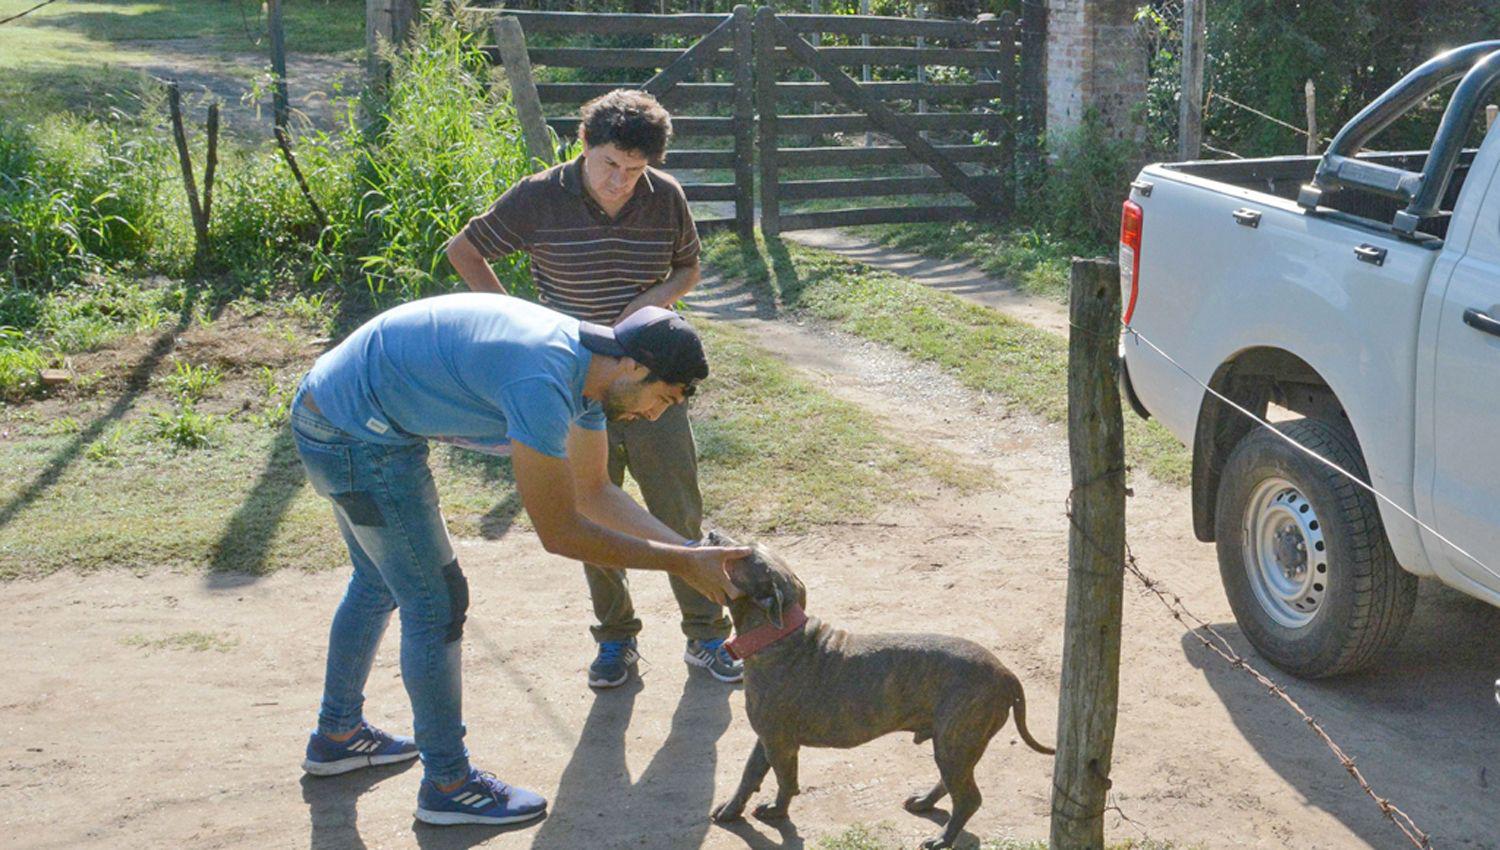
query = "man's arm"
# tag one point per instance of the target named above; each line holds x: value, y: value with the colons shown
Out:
x: 547, y: 488
x: 472, y: 267
x: 672, y: 288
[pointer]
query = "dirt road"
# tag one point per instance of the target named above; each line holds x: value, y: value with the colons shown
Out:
x: 169, y: 710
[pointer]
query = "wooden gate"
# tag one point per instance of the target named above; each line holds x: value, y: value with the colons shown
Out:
x: 731, y: 85
x: 985, y: 91
x: 722, y: 52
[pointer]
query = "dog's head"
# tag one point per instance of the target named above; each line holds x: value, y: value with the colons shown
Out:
x: 769, y: 585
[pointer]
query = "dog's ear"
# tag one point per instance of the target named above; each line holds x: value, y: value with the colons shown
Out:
x: 718, y: 538
x: 774, y: 605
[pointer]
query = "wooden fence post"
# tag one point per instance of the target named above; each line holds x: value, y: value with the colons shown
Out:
x: 1311, y: 94
x: 765, y: 91
x: 512, y: 44
x: 1088, y: 703
x: 744, y: 123
x: 1190, y: 104
x: 390, y: 21
x: 1032, y: 95
x: 280, y: 106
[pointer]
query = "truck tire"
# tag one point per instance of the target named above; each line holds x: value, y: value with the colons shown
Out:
x: 1303, y: 553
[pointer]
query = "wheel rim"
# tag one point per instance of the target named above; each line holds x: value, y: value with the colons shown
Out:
x: 1285, y: 555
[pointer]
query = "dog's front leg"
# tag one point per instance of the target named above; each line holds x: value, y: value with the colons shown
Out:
x: 755, y: 772
x: 783, y: 758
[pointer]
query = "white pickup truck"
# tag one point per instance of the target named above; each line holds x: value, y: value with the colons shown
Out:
x: 1354, y: 299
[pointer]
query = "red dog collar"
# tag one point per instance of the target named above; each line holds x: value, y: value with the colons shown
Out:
x: 760, y: 637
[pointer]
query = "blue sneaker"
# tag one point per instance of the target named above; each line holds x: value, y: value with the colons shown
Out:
x: 481, y: 799
x: 613, y: 664
x: 712, y: 656
x: 367, y: 748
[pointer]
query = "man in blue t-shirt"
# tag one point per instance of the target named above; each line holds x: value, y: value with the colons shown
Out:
x: 501, y: 375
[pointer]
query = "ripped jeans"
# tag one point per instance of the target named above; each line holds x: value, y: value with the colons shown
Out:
x: 386, y: 507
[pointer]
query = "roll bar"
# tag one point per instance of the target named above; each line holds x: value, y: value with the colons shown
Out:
x: 1479, y: 66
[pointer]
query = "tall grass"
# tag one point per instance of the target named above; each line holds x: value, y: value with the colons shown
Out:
x: 89, y: 205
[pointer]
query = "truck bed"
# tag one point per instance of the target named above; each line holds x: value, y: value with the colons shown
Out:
x: 1282, y: 176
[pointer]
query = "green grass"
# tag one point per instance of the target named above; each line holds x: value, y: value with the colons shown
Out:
x: 71, y: 53
x: 188, y: 641
x: 983, y: 348
x: 884, y: 838
x: 110, y: 491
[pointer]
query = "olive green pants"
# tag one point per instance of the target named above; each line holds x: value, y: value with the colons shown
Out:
x: 663, y: 460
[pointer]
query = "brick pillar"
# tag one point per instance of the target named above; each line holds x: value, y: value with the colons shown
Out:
x: 1095, y: 58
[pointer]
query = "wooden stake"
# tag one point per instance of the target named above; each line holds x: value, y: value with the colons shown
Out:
x: 1088, y: 704
x: 1311, y: 94
x: 1190, y: 104
x: 278, y: 63
x: 512, y: 43
x: 211, y: 164
x: 179, y: 135
x: 285, y: 143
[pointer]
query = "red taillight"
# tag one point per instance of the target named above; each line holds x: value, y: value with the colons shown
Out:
x: 1131, y: 219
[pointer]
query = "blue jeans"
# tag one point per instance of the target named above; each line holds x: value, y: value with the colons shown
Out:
x: 386, y: 507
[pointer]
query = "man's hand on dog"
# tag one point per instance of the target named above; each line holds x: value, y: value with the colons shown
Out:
x: 706, y: 571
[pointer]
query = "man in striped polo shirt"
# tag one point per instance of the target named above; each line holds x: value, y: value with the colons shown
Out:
x: 608, y: 234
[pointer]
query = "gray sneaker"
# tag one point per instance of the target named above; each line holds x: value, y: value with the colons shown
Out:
x: 714, y: 657
x: 613, y: 664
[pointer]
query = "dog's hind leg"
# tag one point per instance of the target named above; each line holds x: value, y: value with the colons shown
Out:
x: 925, y: 802
x: 957, y: 750
x: 783, y: 758
x: 755, y: 772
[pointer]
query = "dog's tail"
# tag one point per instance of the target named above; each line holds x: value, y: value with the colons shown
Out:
x: 1020, y: 711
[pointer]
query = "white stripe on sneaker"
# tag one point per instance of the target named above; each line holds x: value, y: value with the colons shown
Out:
x: 483, y: 801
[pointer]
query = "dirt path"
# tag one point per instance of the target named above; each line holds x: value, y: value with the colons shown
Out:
x: 316, y: 84
x: 106, y: 699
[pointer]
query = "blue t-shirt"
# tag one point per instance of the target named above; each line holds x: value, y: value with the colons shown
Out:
x: 477, y: 369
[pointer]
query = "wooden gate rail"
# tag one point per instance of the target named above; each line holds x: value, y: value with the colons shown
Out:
x: 780, y: 46
x: 724, y: 42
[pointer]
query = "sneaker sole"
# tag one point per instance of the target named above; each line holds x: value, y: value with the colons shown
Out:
x: 334, y: 768
x: 456, y: 818
x: 605, y: 683
x: 698, y: 662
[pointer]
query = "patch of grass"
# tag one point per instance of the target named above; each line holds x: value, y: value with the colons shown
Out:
x: 189, y: 382
x: 983, y: 348
x: 188, y: 641
x: 186, y: 427
x: 862, y: 837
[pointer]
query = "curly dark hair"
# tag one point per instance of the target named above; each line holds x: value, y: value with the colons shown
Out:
x: 629, y: 119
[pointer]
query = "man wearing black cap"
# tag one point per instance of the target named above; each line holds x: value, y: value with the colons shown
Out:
x: 498, y: 374
x: 608, y: 234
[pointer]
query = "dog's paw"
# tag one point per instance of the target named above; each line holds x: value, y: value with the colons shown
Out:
x: 918, y: 803
x: 728, y: 812
x: 770, y: 811
x: 939, y: 843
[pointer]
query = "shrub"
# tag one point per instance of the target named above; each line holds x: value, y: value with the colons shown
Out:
x: 1086, y: 179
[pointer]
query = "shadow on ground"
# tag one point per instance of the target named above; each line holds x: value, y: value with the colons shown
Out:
x: 1422, y: 726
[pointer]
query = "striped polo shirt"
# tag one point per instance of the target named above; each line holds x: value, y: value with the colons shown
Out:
x: 584, y: 263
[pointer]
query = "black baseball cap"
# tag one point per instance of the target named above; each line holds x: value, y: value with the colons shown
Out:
x: 654, y: 337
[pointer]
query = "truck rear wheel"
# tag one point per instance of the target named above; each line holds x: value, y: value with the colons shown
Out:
x: 1303, y: 553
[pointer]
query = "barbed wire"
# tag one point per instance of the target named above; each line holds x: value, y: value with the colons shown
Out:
x: 1221, y: 646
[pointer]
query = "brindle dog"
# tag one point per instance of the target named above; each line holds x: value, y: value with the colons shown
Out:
x: 823, y: 687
